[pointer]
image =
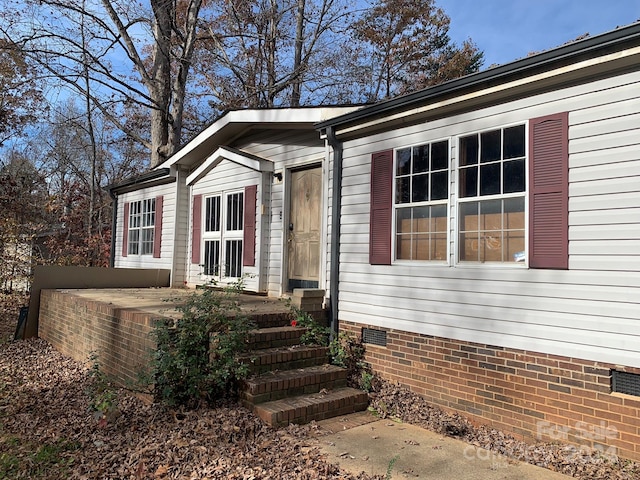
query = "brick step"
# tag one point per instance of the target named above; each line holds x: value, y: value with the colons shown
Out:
x: 274, y: 337
x: 285, y: 358
x: 279, y: 384
x: 315, y: 406
x: 270, y: 320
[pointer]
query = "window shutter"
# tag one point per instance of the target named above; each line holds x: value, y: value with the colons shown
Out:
x: 381, y: 208
x: 157, y: 227
x: 196, y: 234
x: 125, y: 231
x: 549, y: 192
x: 249, y: 228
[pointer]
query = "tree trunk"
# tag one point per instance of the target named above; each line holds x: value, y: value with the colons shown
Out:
x: 297, y: 60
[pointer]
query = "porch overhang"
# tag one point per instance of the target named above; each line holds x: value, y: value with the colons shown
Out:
x: 239, y: 157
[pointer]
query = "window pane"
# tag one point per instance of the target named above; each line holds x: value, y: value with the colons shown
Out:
x: 469, y: 182
x: 211, y: 257
x: 421, y: 219
x: 514, y: 142
x: 491, y: 215
x: 234, y: 211
x: 403, y: 161
x: 469, y: 217
x: 403, y: 220
x: 212, y: 214
x: 439, y: 185
x: 403, y: 247
x: 440, y: 156
x: 147, y: 241
x: 420, y: 192
x: 421, y: 159
x: 514, y: 213
x: 468, y: 245
x: 490, y: 146
x: 233, y: 258
x: 469, y: 150
x: 490, y: 179
x: 403, y: 190
x: 134, y: 242
x: 514, y: 176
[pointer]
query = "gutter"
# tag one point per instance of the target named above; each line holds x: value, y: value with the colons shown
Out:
x: 336, y: 209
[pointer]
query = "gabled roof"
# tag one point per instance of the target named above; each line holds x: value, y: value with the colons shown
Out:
x: 233, y: 155
x: 615, y: 51
x: 234, y: 123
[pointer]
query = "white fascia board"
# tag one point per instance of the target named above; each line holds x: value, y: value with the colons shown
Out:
x: 222, y: 153
x: 265, y: 117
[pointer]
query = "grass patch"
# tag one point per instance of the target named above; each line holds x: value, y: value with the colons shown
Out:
x: 25, y: 459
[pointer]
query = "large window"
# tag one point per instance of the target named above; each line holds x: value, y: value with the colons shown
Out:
x: 223, y: 234
x: 141, y: 227
x: 491, y: 196
x: 421, y: 196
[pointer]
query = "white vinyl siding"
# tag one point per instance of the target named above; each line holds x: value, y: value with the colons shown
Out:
x: 590, y: 311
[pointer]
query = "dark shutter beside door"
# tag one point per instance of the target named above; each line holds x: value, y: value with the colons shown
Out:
x: 249, y: 227
x: 549, y: 192
x: 381, y: 208
x: 196, y: 232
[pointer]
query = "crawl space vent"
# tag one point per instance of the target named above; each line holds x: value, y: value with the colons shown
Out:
x: 374, y: 337
x: 623, y: 382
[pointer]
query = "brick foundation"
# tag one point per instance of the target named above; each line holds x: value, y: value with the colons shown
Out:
x: 532, y: 395
x: 78, y: 327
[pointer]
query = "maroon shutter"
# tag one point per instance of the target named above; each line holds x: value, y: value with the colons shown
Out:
x: 125, y: 231
x: 381, y: 208
x: 549, y: 191
x: 157, y: 234
x: 249, y: 240
x: 196, y: 234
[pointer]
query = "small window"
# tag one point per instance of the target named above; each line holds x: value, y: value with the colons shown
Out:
x: 141, y: 227
x: 491, y: 188
x: 421, y: 196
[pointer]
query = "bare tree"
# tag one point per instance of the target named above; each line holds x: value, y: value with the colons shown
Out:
x: 123, y: 54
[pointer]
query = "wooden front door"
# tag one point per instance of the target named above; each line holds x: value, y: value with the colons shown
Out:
x: 303, y: 238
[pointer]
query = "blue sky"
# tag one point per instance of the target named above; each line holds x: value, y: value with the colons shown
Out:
x: 507, y: 30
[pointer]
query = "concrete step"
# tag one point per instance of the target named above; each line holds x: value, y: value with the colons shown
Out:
x: 274, y: 337
x: 317, y: 406
x: 285, y: 358
x: 278, y: 384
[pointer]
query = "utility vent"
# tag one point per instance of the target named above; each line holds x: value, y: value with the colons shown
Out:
x: 374, y: 337
x: 623, y: 382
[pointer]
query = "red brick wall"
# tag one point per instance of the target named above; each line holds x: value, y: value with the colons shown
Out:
x: 78, y: 327
x: 532, y: 395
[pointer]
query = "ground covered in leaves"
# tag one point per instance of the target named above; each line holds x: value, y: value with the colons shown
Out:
x: 48, y: 430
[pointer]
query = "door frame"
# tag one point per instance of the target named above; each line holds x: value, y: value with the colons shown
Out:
x: 284, y: 269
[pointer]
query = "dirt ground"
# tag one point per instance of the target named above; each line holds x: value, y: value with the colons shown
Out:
x: 49, y: 430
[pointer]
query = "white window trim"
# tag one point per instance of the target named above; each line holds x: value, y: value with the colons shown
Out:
x: 455, y: 201
x: 141, y: 228
x: 446, y: 203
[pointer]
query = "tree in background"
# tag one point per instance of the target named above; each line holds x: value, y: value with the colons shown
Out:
x: 269, y: 53
x: 408, y: 48
x: 114, y: 53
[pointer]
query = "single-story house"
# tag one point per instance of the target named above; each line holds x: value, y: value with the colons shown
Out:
x: 485, y: 240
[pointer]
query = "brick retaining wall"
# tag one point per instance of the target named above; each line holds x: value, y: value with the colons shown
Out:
x: 532, y: 395
x: 78, y: 327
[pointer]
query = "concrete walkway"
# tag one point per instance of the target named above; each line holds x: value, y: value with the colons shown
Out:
x: 362, y: 443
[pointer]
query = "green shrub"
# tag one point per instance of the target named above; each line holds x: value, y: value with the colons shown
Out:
x: 315, y: 334
x: 196, y: 359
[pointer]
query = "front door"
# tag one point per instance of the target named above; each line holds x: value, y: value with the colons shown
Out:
x: 303, y: 237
